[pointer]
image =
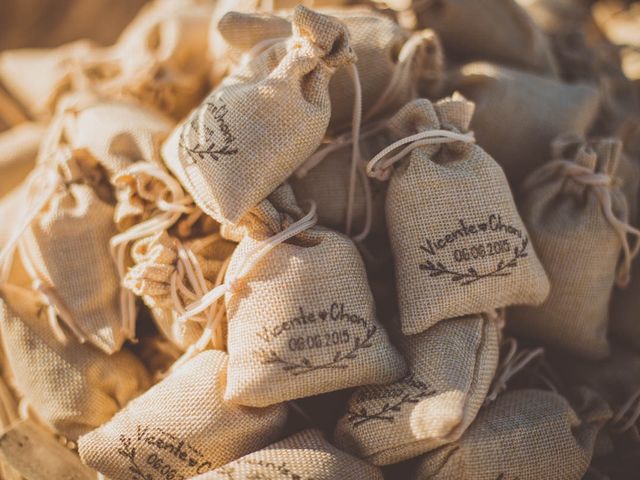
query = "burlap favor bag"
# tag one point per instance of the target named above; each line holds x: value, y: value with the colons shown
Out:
x: 496, y: 30
x: 451, y: 368
x: 296, y: 328
x: 459, y: 245
x: 518, y: 114
x: 228, y: 164
x: 65, y: 249
x: 72, y: 387
x: 116, y: 133
x: 577, y: 216
x: 524, y: 434
x: 168, y: 274
x: 391, y: 64
x: 181, y: 427
x: 19, y: 149
x: 303, y: 455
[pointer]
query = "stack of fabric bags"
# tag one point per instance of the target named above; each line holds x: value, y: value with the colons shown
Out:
x: 331, y: 241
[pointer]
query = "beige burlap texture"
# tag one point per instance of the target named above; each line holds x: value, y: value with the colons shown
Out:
x: 495, y: 30
x: 458, y: 242
x: 181, y: 426
x: 66, y: 248
x: 156, y: 270
x: 229, y: 165
x: 304, y: 455
x: 625, y: 305
x: 158, y: 60
x: 451, y: 368
x: 327, y: 184
x: 116, y: 133
x: 578, y: 245
x: 19, y: 146
x: 524, y: 434
x: 518, y: 113
x: 302, y: 322
x: 391, y: 64
x: 74, y: 388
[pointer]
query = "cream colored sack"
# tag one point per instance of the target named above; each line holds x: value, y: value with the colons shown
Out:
x: 577, y: 216
x: 392, y: 62
x: 302, y: 319
x: 19, y: 149
x: 65, y: 250
x: 451, y: 369
x: 303, y: 455
x: 525, y: 435
x: 116, y: 133
x: 495, y: 30
x: 72, y: 387
x: 181, y: 427
x: 459, y: 245
x: 518, y: 114
x: 229, y: 165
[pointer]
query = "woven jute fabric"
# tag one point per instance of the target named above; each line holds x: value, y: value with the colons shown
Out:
x: 379, y: 43
x: 151, y: 275
x: 524, y: 434
x: 304, y: 321
x: 578, y: 247
x: 304, y: 455
x: 68, y: 245
x: 37, y: 78
x: 518, y: 114
x: 327, y: 185
x: 181, y: 427
x: 72, y: 387
x: 495, y: 30
x: 459, y: 245
x: 434, y: 404
x: 229, y: 165
x: 19, y: 148
x: 116, y: 133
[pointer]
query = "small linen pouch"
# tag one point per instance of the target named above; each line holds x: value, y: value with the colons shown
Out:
x: 229, y: 165
x: 301, y: 316
x: 525, y: 435
x: 518, y: 114
x: 181, y: 427
x: 577, y: 215
x: 459, y: 246
x: 72, y: 387
x: 451, y: 368
x: 303, y: 455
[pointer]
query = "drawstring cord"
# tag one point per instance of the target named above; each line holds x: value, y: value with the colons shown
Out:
x: 628, y: 414
x: 379, y: 166
x: 170, y: 213
x: 512, y: 363
x: 260, y: 251
x: 601, y: 184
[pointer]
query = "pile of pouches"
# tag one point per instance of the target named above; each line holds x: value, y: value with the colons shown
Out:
x: 265, y: 240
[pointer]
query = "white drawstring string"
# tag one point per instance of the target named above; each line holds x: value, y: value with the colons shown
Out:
x: 261, y: 249
x: 628, y: 414
x: 170, y: 214
x: 512, y: 363
x: 428, y: 137
x: 355, y: 152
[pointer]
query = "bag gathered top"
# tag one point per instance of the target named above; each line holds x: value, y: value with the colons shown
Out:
x: 284, y: 91
x: 459, y: 245
x: 577, y: 216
